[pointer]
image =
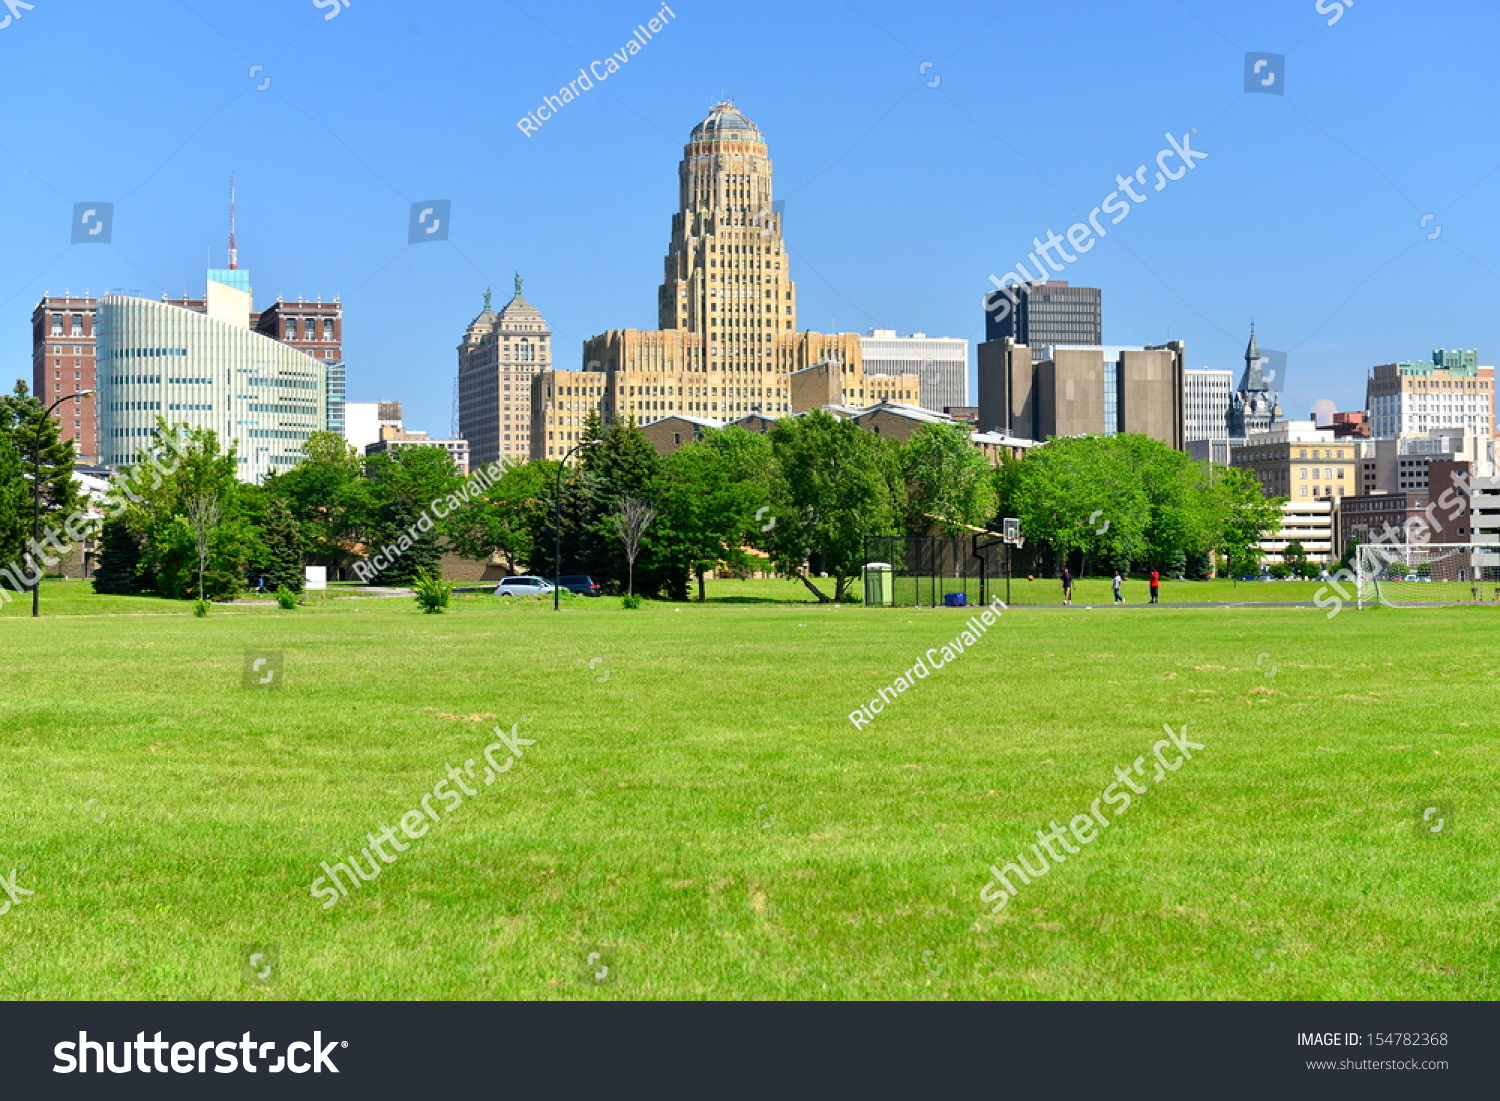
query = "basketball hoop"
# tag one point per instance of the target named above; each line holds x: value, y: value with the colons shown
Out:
x: 1012, y: 532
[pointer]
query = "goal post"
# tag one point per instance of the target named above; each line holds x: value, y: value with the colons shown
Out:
x: 1405, y: 574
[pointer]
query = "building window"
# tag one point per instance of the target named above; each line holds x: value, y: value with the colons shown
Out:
x: 328, y: 329
x: 78, y: 324
x: 1304, y: 491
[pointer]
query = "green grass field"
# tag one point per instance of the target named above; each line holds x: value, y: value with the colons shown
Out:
x: 699, y: 811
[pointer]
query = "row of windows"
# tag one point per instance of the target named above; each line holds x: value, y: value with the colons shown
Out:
x: 284, y: 383
x: 134, y: 406
x: 310, y: 329
x: 297, y: 410
x: 275, y: 434
x: 191, y: 408
x: 57, y: 324
x: 147, y: 353
x: 190, y: 381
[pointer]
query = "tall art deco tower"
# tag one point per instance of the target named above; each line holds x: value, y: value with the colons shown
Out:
x: 728, y: 346
x: 726, y: 269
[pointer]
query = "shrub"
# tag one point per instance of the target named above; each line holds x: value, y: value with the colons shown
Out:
x: 286, y: 598
x: 630, y: 600
x: 1281, y: 571
x: 432, y: 593
x: 200, y: 608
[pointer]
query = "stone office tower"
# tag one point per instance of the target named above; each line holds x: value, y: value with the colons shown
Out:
x: 728, y: 345
x: 500, y: 355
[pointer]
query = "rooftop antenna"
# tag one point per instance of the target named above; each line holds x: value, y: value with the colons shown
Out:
x: 234, y: 253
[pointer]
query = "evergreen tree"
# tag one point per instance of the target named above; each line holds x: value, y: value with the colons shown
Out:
x: 24, y: 424
x: 281, y: 556
x: 119, y: 570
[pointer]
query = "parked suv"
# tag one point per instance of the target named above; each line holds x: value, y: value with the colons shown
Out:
x: 581, y: 584
x: 523, y: 586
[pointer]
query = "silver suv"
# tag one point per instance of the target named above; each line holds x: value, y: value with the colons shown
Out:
x: 523, y: 586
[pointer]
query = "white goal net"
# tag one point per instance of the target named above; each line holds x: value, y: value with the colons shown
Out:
x: 1429, y: 573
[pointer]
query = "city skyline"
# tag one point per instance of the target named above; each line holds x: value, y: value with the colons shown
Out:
x: 1305, y: 217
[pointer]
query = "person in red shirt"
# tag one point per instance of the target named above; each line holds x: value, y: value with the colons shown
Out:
x: 1155, y: 587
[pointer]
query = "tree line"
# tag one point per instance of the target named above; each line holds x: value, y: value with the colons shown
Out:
x: 799, y: 500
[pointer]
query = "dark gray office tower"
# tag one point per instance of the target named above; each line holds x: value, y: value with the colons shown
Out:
x: 1041, y: 315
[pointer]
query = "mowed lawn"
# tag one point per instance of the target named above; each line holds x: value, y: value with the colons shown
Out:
x: 698, y: 818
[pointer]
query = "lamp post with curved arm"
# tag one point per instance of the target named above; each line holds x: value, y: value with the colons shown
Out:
x: 557, y: 524
x: 36, y: 498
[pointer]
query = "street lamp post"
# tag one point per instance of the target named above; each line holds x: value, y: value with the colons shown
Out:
x: 36, y: 498
x: 557, y: 525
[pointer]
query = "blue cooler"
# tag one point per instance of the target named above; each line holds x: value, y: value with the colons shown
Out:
x: 955, y: 600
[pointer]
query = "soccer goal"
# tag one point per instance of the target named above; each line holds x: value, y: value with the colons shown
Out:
x: 1429, y: 573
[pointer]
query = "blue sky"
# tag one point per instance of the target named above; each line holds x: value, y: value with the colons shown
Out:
x: 901, y: 196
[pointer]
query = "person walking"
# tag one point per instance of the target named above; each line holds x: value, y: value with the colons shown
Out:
x: 1118, y: 580
x: 1155, y: 587
x: 1067, y: 582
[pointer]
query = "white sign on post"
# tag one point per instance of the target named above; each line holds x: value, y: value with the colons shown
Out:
x: 317, y: 577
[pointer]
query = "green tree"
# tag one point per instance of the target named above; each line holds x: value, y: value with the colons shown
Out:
x: 710, y: 490
x: 949, y: 485
x: 835, y: 486
x: 38, y: 454
x: 328, y: 496
x: 1246, y: 516
x: 119, y: 570
x: 506, y: 518
x: 404, y: 485
x: 280, y: 557
x: 1078, y: 496
x: 175, y: 550
x: 623, y: 464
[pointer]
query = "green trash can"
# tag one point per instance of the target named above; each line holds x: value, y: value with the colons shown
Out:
x: 880, y: 586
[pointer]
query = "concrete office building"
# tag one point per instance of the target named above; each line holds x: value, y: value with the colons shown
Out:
x: 1402, y: 464
x: 1451, y: 391
x: 728, y: 343
x: 1042, y: 315
x: 500, y: 357
x: 1310, y: 523
x: 1205, y: 403
x: 1071, y: 391
x: 208, y: 369
x: 940, y: 362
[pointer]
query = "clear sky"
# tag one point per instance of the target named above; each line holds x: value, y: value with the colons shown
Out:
x: 906, y: 184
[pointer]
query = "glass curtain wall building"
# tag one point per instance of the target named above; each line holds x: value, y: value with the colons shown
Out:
x: 156, y: 359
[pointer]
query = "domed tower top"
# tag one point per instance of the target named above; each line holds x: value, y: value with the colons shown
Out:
x: 725, y: 123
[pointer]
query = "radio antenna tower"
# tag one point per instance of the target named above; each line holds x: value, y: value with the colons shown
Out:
x: 234, y: 253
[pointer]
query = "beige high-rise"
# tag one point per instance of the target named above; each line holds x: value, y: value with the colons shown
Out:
x: 728, y: 343
x: 500, y: 355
